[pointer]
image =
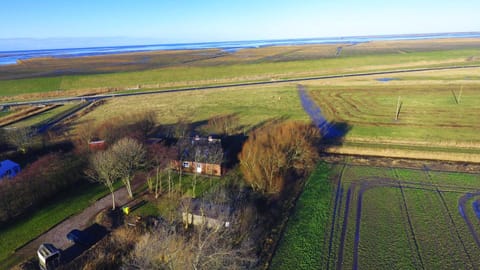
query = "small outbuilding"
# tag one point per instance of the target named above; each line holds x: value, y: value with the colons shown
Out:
x: 97, y: 145
x: 198, y: 212
x: 8, y: 169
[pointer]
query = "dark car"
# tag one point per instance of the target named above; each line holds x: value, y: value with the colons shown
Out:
x: 80, y: 237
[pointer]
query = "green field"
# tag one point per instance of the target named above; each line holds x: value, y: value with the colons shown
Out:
x: 43, y: 116
x: 402, y: 218
x: 439, y: 113
x: 253, y: 105
x: 428, y: 113
x: 261, y: 65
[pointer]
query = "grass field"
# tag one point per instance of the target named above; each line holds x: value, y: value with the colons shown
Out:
x: 253, y: 105
x: 43, y: 117
x: 383, y: 217
x: 430, y: 119
x: 173, y: 69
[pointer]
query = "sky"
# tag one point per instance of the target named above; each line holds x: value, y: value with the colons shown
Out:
x: 67, y: 23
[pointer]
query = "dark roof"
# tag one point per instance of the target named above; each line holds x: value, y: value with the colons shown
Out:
x: 200, y: 149
x: 205, y: 208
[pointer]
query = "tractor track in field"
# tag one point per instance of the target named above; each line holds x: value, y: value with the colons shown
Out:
x: 384, y: 182
x: 336, y: 208
x: 410, y: 224
x: 461, y: 208
x: 454, y: 230
x: 203, y: 88
x: 344, y: 226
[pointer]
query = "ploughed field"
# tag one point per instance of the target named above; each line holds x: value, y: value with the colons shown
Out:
x: 386, y: 218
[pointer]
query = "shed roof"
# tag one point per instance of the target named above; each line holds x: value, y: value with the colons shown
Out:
x: 7, y: 165
x: 209, y: 209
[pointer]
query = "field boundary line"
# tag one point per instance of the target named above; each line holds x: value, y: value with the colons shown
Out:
x: 461, y: 209
x: 336, y: 209
x: 341, y: 246
x: 450, y: 218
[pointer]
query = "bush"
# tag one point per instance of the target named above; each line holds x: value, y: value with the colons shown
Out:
x: 277, y: 151
x: 37, y: 183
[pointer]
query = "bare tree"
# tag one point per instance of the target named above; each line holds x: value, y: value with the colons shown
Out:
x: 223, y: 124
x: 103, y: 170
x: 201, y: 247
x: 159, y: 159
x: 129, y: 156
x: 146, y: 122
x: 277, y: 151
x: 20, y: 137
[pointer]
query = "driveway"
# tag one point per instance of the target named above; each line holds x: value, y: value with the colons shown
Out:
x: 57, y: 235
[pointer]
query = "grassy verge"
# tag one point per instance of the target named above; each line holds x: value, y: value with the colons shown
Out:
x: 22, y: 231
x: 303, y: 240
x: 44, y: 117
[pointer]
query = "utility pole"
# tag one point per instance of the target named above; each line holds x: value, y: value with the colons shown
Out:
x: 397, y: 112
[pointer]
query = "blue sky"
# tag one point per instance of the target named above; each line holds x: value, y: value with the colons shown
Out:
x: 170, y: 21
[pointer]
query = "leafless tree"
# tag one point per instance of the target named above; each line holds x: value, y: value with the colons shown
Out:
x: 201, y: 247
x: 129, y: 156
x: 20, y: 137
x: 223, y: 124
x: 102, y: 169
x: 146, y: 122
x: 276, y: 151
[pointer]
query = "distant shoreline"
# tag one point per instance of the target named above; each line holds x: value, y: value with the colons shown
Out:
x: 12, y: 57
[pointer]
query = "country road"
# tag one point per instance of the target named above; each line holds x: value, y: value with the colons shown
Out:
x: 151, y: 92
x: 57, y: 235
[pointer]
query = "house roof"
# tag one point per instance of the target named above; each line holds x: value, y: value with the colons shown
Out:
x: 7, y: 165
x: 208, y: 209
x: 204, y: 150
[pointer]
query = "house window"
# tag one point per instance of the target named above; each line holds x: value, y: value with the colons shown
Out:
x: 199, y: 168
x: 186, y: 164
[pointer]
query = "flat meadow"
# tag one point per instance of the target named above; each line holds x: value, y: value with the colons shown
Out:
x: 160, y: 70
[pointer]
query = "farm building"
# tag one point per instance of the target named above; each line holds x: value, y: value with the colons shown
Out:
x: 96, y: 145
x: 200, y: 155
x: 8, y: 169
x: 198, y: 212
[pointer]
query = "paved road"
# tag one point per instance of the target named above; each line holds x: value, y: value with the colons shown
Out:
x: 98, y: 97
x: 57, y: 235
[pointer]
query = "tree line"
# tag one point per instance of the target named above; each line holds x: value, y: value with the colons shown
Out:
x: 38, y: 182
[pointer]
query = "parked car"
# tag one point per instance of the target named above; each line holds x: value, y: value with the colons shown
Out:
x: 80, y: 237
x: 48, y: 256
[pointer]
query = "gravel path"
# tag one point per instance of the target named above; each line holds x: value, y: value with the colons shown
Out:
x: 57, y: 235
